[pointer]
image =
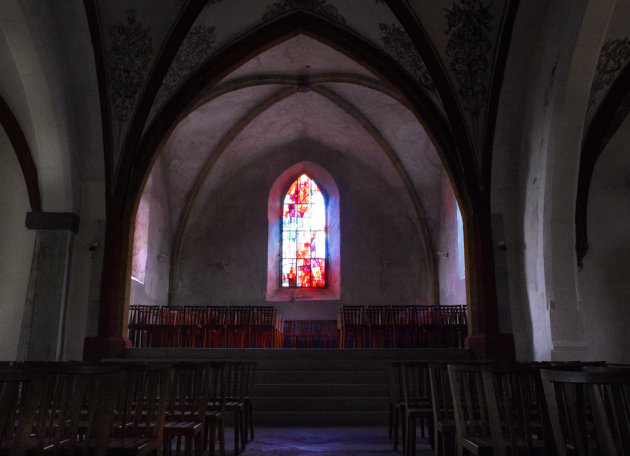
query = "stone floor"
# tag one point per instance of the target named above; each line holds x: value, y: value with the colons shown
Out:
x: 322, y: 441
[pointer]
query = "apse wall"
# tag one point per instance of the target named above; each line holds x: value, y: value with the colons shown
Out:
x: 223, y: 260
x: 603, y: 282
x: 16, y: 249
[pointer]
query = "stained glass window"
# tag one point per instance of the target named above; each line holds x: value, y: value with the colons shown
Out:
x: 304, y: 235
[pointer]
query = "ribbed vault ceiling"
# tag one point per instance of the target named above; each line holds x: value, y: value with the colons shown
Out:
x: 300, y: 89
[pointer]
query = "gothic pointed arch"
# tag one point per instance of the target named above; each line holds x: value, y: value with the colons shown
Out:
x: 317, y: 277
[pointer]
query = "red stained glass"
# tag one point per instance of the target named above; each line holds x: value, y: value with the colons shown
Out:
x: 304, y: 235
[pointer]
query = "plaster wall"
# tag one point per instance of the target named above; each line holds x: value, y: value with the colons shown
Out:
x: 536, y: 152
x: 85, y: 271
x: 585, y: 28
x: 452, y: 287
x: 603, y: 282
x: 35, y: 87
x: 16, y: 249
x: 154, y: 290
x: 224, y: 249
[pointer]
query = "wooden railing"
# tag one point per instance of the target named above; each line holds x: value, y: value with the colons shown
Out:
x: 264, y: 327
x: 402, y: 326
x: 205, y: 326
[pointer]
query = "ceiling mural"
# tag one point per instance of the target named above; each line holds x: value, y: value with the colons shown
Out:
x: 321, y: 7
x: 376, y: 24
x: 398, y: 44
x: 132, y: 34
x: 468, y: 28
x: 467, y: 36
x: 464, y: 33
x: 613, y: 57
x: 131, y: 52
x: 195, y: 49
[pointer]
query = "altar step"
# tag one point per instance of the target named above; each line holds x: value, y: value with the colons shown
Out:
x: 312, y: 387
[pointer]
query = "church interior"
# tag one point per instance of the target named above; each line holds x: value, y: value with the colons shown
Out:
x: 291, y: 182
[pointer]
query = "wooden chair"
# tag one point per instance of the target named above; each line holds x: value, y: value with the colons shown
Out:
x: 20, y: 393
x: 236, y: 376
x: 136, y: 326
x: 214, y: 320
x: 589, y: 411
x: 403, y: 322
x: 239, y: 326
x: 140, y: 407
x: 190, y: 332
x: 174, y: 326
x: 290, y: 333
x: 249, y: 399
x: 470, y: 409
x: 444, y: 430
x: 426, y: 330
x: 517, y: 411
x: 215, y: 384
x: 263, y: 327
x: 58, y: 409
x: 74, y: 409
x: 154, y: 327
x: 396, y: 401
x: 417, y: 398
x: 353, y: 327
x: 89, y: 419
x: 185, y: 411
x: 379, y: 324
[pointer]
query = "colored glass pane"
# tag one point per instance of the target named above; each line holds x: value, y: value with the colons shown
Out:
x: 304, y: 235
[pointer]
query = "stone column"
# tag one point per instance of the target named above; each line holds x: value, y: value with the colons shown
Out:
x: 42, y: 333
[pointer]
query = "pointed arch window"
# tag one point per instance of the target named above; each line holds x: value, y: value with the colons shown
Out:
x: 304, y: 235
x: 303, y: 208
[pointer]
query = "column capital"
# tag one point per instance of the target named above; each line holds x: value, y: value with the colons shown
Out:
x: 68, y: 221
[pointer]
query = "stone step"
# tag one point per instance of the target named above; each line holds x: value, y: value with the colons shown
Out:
x: 322, y: 376
x: 337, y: 418
x: 331, y: 404
x: 329, y: 364
x: 312, y: 387
x: 319, y: 389
x: 297, y: 353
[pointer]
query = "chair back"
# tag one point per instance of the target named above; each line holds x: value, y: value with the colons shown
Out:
x: 589, y: 411
x: 441, y: 397
x: 240, y: 315
x: 236, y: 376
x: 416, y: 385
x: 20, y: 392
x: 188, y: 396
x: 469, y: 402
x: 394, y: 382
x: 75, y: 405
x: 215, y: 316
x: 90, y: 414
x: 251, y: 379
x: 516, y: 409
x: 215, y: 386
x: 379, y: 315
x: 141, y: 401
x: 425, y: 315
x: 264, y: 315
x: 352, y: 316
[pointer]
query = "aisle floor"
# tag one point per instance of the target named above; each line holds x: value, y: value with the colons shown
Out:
x: 322, y: 441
